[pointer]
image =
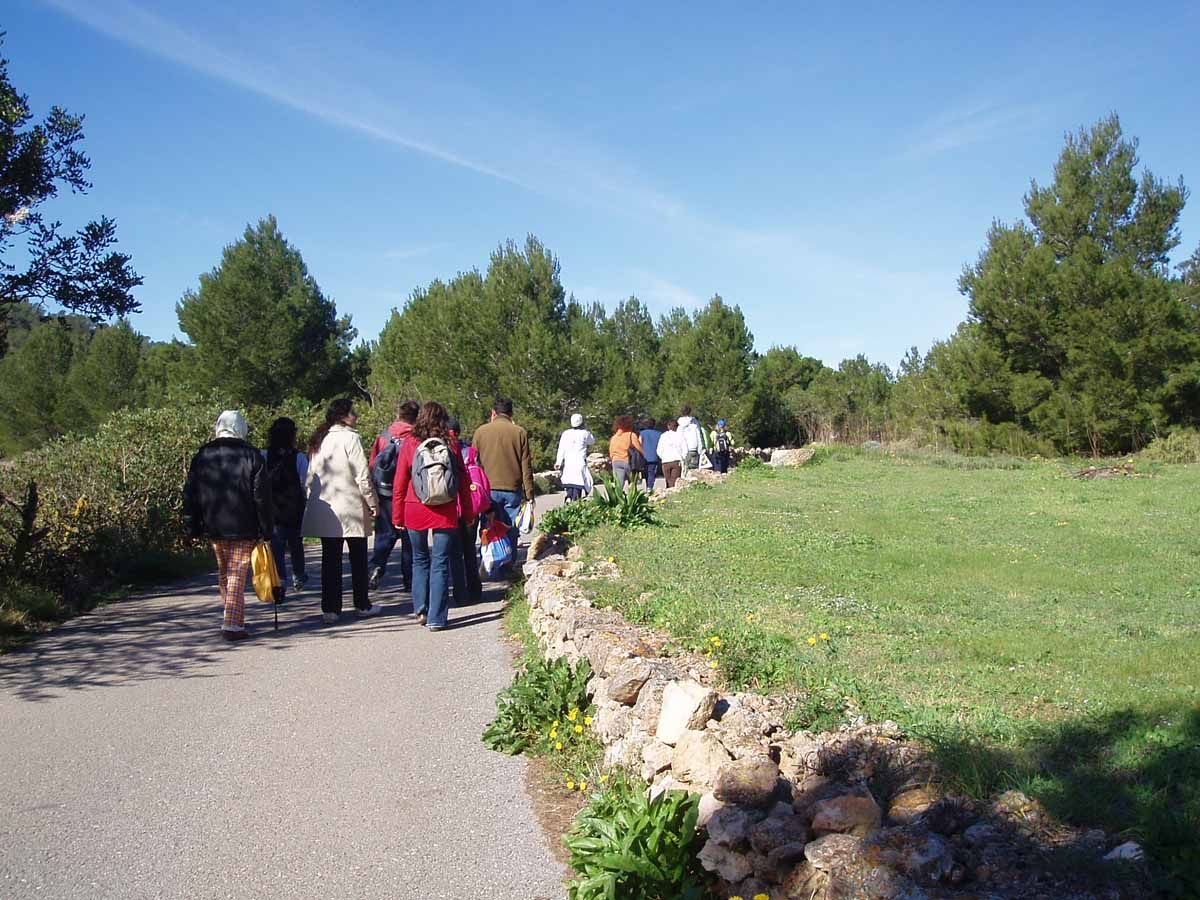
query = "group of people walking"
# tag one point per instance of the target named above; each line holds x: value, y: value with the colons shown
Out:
x: 419, y: 487
x: 643, y: 451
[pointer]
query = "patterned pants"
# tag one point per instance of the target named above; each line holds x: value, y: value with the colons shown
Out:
x: 233, y: 563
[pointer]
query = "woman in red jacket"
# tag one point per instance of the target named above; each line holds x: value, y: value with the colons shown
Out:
x: 433, y: 529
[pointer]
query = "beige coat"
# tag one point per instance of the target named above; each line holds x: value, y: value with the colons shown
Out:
x: 340, y: 494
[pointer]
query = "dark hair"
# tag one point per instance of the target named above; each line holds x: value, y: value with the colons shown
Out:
x: 452, y: 424
x: 282, y: 434
x: 502, y: 406
x: 672, y: 425
x: 407, y: 411
x: 624, y: 423
x: 431, y: 422
x: 337, y: 411
x: 646, y: 423
x: 686, y: 411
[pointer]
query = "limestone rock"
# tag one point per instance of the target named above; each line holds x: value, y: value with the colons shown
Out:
x: 685, y: 704
x: 834, y: 851
x: 791, y: 457
x: 1130, y: 851
x: 697, y: 759
x: 729, y: 864
x: 656, y: 756
x: 649, y: 703
x: 917, y: 852
x: 708, y: 808
x: 626, y: 681
x: 846, y: 814
x: 729, y: 826
x: 775, y: 832
x: 908, y: 805
x: 981, y: 833
x: 612, y: 722
x: 781, y: 861
x: 750, y: 781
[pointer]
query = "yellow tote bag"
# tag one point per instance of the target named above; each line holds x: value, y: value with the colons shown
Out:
x: 267, y: 583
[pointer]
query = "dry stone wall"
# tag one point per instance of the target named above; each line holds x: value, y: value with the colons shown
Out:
x: 851, y: 813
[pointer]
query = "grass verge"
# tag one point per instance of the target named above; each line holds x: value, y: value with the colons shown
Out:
x: 1036, y: 630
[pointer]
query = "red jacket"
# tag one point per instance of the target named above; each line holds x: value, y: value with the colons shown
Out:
x: 397, y: 429
x: 410, y: 512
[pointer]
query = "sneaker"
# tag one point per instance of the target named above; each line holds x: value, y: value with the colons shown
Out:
x: 372, y: 610
x: 235, y: 635
x: 435, y: 627
x: 329, y: 618
x: 299, y: 583
x: 421, y: 618
x: 375, y: 579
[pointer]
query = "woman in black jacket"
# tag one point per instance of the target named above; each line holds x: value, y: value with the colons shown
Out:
x: 227, y: 498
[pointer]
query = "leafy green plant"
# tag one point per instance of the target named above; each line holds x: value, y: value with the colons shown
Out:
x: 625, y: 845
x: 750, y: 464
x: 543, y: 697
x: 1181, y: 446
x: 631, y: 508
x: 571, y: 519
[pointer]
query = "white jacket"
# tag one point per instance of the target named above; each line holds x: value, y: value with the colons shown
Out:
x: 671, y: 447
x: 689, y: 430
x: 340, y: 494
x: 572, y: 457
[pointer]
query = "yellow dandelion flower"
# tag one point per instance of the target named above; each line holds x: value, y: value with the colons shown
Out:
x: 558, y: 745
x: 579, y: 729
x: 824, y: 636
x: 603, y: 778
x: 713, y: 664
x: 761, y: 897
x: 587, y: 720
x: 736, y: 897
x: 573, y: 715
x: 583, y: 785
x: 715, y: 641
x: 812, y: 640
x: 570, y: 785
x: 612, y: 559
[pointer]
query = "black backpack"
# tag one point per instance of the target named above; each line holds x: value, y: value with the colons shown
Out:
x: 637, y: 462
x: 287, y: 493
x: 723, y: 442
x: 383, y: 470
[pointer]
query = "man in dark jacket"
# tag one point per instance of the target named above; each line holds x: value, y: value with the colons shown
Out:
x: 227, y: 498
x: 385, y: 534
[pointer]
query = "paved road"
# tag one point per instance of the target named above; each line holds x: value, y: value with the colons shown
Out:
x: 142, y: 757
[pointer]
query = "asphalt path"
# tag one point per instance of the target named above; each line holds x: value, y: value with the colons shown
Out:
x: 143, y: 757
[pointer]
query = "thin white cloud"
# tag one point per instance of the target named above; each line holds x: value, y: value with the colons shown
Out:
x: 957, y: 128
x: 404, y: 253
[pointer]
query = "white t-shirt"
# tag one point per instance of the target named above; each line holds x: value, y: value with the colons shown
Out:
x: 671, y: 447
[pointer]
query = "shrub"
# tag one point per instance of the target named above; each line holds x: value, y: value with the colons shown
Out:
x: 543, y: 697
x: 624, y: 844
x: 979, y: 437
x: 25, y: 608
x: 1180, y: 446
x: 750, y: 464
x: 610, y: 506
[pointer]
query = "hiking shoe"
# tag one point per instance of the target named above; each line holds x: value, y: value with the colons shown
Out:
x: 373, y: 610
x: 235, y: 635
x: 375, y: 579
x: 329, y: 618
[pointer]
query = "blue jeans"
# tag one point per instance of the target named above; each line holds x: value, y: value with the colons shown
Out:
x: 436, y: 564
x: 385, y: 541
x: 506, y: 505
x: 651, y: 473
x: 288, y: 539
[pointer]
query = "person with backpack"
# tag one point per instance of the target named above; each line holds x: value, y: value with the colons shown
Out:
x: 722, y: 442
x: 571, y: 461
x: 227, y: 498
x: 384, y: 453
x: 431, y: 488
x: 672, y: 450
x: 503, y: 449
x: 468, y: 587
x: 341, y: 507
x: 626, y: 452
x: 693, y: 438
x: 650, y: 435
x: 287, y: 469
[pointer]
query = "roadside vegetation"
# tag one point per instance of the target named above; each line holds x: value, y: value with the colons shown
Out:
x: 1037, y: 630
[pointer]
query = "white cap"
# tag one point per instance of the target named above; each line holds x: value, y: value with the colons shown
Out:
x: 576, y: 420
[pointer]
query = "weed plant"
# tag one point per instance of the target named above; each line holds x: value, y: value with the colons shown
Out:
x: 631, y: 508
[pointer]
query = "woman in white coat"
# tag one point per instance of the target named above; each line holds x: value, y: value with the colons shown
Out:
x: 572, y: 459
x: 341, y: 507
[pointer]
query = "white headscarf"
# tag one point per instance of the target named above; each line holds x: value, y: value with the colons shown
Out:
x: 577, y: 421
x: 230, y: 424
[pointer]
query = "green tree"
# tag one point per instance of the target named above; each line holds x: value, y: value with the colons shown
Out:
x: 103, y: 377
x: 77, y: 272
x: 1077, y: 304
x: 769, y: 421
x: 33, y: 387
x: 708, y: 362
x: 262, y: 328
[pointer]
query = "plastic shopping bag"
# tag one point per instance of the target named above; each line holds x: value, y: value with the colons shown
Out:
x: 497, y: 547
x: 705, y: 461
x: 524, y: 523
x: 267, y: 583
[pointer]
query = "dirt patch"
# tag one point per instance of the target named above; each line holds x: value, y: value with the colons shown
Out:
x: 554, y: 807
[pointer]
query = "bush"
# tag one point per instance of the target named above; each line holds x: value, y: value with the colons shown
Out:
x: 542, y: 698
x: 1180, y: 446
x: 625, y: 509
x: 979, y: 437
x: 750, y: 464
x: 625, y: 845
x: 25, y: 608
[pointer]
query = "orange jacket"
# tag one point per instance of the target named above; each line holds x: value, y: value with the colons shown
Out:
x: 618, y: 445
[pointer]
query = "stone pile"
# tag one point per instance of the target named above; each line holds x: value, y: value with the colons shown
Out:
x: 844, y: 814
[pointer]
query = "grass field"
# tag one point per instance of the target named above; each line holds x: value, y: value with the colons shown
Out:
x: 1040, y: 632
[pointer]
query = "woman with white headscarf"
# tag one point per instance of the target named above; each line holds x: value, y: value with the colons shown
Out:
x: 571, y: 461
x: 227, y: 498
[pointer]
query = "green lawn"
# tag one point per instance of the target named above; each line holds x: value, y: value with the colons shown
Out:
x: 1039, y: 631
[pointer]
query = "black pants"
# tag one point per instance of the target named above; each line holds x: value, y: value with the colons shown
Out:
x: 720, y: 460
x: 471, y: 585
x: 331, y: 573
x: 574, y: 492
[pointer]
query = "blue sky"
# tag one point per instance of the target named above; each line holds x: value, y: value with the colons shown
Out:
x: 830, y: 171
